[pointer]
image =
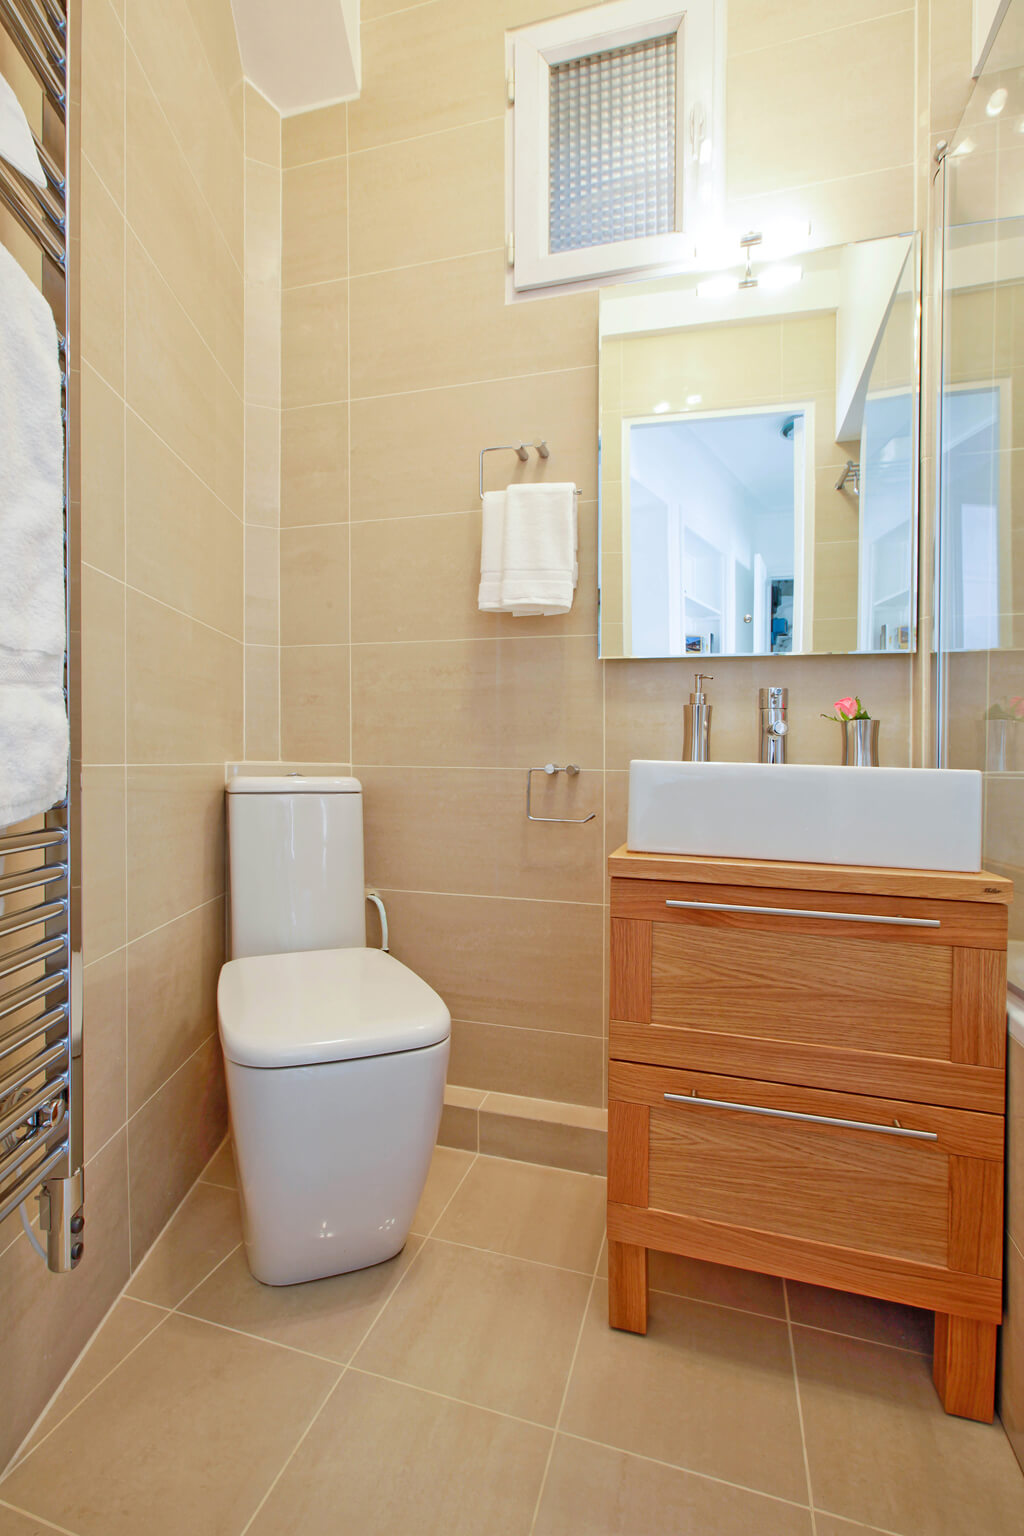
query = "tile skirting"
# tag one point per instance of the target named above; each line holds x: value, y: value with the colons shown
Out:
x: 561, y: 1135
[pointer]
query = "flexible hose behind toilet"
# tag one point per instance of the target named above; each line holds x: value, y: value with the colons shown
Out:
x: 378, y: 902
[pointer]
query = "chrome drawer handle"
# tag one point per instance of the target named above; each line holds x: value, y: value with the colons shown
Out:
x: 791, y: 1114
x: 838, y: 917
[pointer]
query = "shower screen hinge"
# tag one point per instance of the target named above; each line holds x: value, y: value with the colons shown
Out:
x: 510, y: 87
x: 510, y: 250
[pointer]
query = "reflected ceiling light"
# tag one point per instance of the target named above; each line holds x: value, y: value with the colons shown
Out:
x: 997, y: 101
x: 661, y: 407
x: 964, y: 147
x: 785, y: 275
x: 694, y: 399
x: 721, y: 286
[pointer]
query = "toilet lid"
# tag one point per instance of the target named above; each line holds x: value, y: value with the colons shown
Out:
x: 325, y: 1005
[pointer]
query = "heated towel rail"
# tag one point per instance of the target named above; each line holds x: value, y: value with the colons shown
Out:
x: 40, y: 927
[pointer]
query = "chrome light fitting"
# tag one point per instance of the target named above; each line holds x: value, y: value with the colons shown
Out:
x: 769, y: 279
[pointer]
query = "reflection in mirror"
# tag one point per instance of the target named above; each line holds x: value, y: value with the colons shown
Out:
x: 759, y: 459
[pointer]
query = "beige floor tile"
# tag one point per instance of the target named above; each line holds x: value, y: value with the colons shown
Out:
x: 718, y: 1283
x: 221, y: 1167
x: 708, y: 1389
x: 491, y: 1330
x: 14, y: 1524
x: 448, y: 1168
x: 186, y: 1435
x: 592, y: 1490
x: 126, y: 1325
x: 883, y: 1322
x: 324, y: 1317
x: 200, y: 1235
x: 384, y: 1458
x: 545, y: 1214
x: 881, y: 1449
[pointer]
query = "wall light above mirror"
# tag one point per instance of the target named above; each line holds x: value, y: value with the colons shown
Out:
x: 759, y: 456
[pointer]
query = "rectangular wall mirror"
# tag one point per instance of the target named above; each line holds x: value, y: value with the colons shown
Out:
x: 759, y: 457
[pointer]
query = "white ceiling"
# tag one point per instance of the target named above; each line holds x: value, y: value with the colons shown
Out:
x: 302, y: 54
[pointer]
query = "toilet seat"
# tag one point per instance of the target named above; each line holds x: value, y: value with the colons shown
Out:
x: 314, y: 1006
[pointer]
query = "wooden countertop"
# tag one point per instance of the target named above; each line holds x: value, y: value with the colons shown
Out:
x: 867, y: 880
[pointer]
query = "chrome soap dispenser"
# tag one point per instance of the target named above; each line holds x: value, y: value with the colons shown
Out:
x: 697, y: 723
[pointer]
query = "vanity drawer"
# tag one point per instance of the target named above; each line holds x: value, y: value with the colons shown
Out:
x: 902, y: 998
x: 913, y: 1184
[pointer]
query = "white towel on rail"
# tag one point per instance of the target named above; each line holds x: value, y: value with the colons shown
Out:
x: 539, y: 568
x: 16, y: 143
x: 492, y: 534
x: 33, y: 717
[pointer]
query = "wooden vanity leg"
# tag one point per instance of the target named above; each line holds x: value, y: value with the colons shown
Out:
x: 964, y: 1366
x: 627, y: 1287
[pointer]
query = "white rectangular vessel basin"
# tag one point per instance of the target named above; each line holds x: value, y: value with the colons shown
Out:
x: 899, y: 818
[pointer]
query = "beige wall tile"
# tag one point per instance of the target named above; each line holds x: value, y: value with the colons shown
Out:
x: 103, y: 855
x: 262, y: 701
x: 528, y: 1061
x: 171, y: 219
x: 837, y: 104
x: 315, y: 702
x: 758, y: 24
x: 314, y: 344
x: 526, y: 964
x: 428, y: 198
x: 175, y: 843
x: 263, y: 223
x: 315, y: 219
x: 314, y: 465
x: 262, y: 586
x: 102, y: 74
x: 172, y: 997
x: 478, y: 703
x: 465, y: 830
x: 105, y: 1106
x: 393, y: 439
x: 440, y: 704
x: 316, y: 135
x: 103, y: 643
x: 174, y: 384
x: 1015, y: 1150
x: 184, y: 687
x: 184, y: 546
x: 102, y: 472
x: 262, y: 128
x: 448, y: 323
x: 262, y: 466
x: 858, y: 206
x: 215, y: 24
x: 170, y: 1140
x: 205, y: 121
x: 40, y: 1305
x: 315, y: 585
x: 263, y: 344
x: 1011, y: 1383
x: 102, y: 322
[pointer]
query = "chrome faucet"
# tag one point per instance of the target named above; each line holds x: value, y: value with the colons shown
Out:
x: 774, y: 705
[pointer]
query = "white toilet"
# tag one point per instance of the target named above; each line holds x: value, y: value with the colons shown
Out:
x: 335, y: 1053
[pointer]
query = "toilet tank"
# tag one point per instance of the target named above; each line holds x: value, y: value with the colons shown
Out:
x: 295, y: 862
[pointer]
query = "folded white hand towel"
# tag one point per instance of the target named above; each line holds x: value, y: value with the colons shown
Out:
x: 33, y: 719
x: 16, y: 145
x: 492, y: 535
x: 539, y: 568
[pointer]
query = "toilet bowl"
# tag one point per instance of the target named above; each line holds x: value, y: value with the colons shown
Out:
x: 335, y: 1054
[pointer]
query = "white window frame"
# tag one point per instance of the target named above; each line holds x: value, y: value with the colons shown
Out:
x: 699, y: 27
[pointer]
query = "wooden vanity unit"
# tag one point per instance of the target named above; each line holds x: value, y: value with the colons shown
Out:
x: 807, y: 1079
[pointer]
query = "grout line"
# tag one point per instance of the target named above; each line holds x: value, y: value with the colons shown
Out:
x: 40, y: 1519
x: 799, y: 1409
x: 181, y: 612
x: 206, y: 1276
x: 806, y: 37
x: 565, y: 1390
x: 859, y: 1338
x: 215, y: 1184
x: 446, y: 1397
x: 517, y: 1258
x: 433, y: 133
x: 31, y: 1450
x: 295, y: 1449
x: 405, y: 266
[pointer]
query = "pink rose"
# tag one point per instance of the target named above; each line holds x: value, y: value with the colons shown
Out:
x: 845, y: 708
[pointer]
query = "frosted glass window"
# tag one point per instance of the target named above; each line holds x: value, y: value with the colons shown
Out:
x: 612, y: 138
